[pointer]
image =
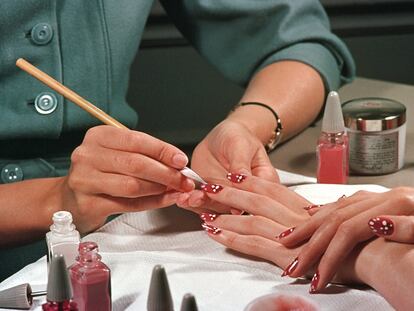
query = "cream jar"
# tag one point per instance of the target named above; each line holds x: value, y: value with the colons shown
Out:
x: 376, y: 129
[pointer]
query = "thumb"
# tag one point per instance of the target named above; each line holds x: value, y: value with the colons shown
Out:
x: 394, y: 228
x: 262, y: 167
x: 240, y: 160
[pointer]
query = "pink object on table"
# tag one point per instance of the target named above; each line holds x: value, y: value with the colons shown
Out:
x: 91, y: 280
x: 332, y: 149
x: 332, y: 160
x: 280, y: 302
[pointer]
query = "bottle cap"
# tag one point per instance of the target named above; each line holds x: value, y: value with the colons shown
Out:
x: 159, y: 296
x: 333, y: 121
x: 58, y: 284
x: 373, y: 114
x: 189, y: 303
x: 62, y: 222
x: 17, y: 297
x: 62, y: 217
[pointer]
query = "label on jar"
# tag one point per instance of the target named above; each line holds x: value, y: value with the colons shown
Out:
x: 373, y: 153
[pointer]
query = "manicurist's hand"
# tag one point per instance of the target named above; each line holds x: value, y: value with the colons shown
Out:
x: 116, y: 170
x: 337, y: 228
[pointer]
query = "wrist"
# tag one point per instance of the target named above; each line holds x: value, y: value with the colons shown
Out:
x: 261, y: 120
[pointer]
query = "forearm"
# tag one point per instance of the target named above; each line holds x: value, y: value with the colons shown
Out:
x: 388, y: 267
x: 293, y: 89
x: 26, y: 209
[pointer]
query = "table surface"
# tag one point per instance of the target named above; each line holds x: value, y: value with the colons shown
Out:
x: 298, y: 154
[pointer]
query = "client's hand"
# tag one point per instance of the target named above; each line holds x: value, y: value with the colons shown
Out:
x: 116, y: 170
x: 335, y: 229
x: 384, y: 265
x: 229, y: 147
x: 255, y: 235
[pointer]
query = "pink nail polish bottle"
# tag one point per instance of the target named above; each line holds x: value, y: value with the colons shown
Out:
x: 91, y: 280
x: 332, y: 148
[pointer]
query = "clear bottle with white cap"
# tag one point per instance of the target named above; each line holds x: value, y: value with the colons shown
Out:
x: 63, y: 238
x: 332, y: 148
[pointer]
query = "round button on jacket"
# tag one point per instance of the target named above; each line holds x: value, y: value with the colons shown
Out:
x: 41, y: 34
x: 45, y: 103
x: 11, y: 173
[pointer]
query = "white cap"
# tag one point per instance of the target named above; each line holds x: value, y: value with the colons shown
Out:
x: 333, y: 120
x: 62, y: 222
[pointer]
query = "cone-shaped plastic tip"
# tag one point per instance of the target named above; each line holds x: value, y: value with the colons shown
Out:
x: 58, y: 284
x: 17, y: 297
x: 333, y: 120
x: 189, y: 303
x: 159, y: 296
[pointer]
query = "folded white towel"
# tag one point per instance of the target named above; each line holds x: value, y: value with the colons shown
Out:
x: 221, y: 280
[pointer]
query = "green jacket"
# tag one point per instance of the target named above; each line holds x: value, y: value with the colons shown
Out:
x: 90, y: 45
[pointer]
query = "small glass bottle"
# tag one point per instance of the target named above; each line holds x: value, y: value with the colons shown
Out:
x: 332, y: 148
x: 63, y: 238
x: 91, y: 280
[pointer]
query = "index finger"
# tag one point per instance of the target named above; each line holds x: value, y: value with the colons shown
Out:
x: 137, y: 142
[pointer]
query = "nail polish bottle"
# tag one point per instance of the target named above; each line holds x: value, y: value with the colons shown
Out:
x: 332, y: 148
x: 91, y: 280
x: 63, y: 238
x: 59, y: 291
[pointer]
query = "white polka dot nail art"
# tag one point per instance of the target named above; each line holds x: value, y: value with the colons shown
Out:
x: 210, y: 229
x: 381, y: 226
x: 211, y: 188
x: 236, y: 178
x: 208, y: 216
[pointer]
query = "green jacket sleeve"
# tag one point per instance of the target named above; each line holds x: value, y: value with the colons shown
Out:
x: 241, y: 37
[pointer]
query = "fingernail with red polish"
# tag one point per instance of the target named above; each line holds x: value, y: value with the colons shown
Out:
x: 381, y: 226
x: 291, y: 267
x: 211, y: 188
x: 236, y: 177
x: 314, y: 283
x: 286, y: 233
x: 208, y: 216
x: 210, y: 229
x: 307, y: 208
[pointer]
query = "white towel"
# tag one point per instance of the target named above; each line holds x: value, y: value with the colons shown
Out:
x: 221, y: 280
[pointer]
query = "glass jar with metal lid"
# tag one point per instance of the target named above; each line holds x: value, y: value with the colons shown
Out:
x: 376, y: 128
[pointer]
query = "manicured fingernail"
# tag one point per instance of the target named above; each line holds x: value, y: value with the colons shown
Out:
x: 208, y: 216
x: 236, y: 177
x: 188, y: 184
x: 291, y: 267
x: 180, y: 160
x: 314, y: 283
x: 286, y: 233
x: 211, y: 188
x: 210, y: 229
x: 381, y: 226
x: 307, y: 208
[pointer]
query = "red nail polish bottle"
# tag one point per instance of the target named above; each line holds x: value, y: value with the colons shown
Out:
x: 332, y: 148
x: 91, y: 280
